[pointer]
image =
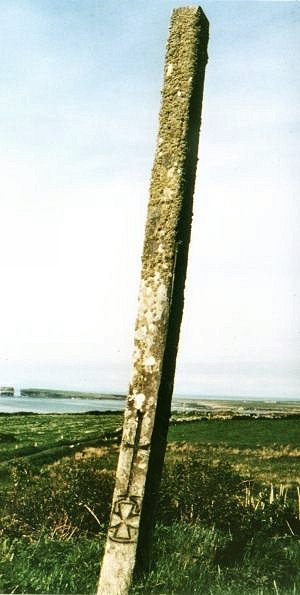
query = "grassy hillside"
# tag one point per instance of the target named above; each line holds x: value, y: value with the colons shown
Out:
x: 42, y: 438
x: 268, y: 448
x: 228, y: 516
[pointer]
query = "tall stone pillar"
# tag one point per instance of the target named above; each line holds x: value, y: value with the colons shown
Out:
x: 161, y: 298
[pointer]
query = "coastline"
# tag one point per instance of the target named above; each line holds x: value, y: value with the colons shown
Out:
x: 40, y: 400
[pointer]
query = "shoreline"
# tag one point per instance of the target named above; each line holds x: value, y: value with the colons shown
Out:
x: 97, y: 395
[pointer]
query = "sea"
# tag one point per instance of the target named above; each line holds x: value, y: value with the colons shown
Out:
x: 59, y: 405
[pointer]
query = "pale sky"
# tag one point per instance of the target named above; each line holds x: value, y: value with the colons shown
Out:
x: 80, y: 94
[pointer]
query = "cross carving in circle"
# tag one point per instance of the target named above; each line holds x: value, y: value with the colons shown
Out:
x: 125, y: 519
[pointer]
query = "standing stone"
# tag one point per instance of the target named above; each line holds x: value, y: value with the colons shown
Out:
x: 161, y: 299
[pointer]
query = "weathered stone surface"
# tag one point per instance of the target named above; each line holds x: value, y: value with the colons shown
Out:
x: 160, y: 303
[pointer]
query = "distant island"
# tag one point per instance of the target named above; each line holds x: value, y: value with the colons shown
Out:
x: 66, y: 394
x: 7, y: 391
x: 202, y: 406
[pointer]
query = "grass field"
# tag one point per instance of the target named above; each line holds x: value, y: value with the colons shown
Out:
x: 214, y: 537
x: 43, y: 438
x: 268, y: 449
x: 265, y: 449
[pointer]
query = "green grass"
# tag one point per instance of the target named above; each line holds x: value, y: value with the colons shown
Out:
x: 265, y: 449
x: 46, y: 437
x: 48, y: 541
x: 186, y: 559
x: 50, y: 565
x: 245, y: 433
